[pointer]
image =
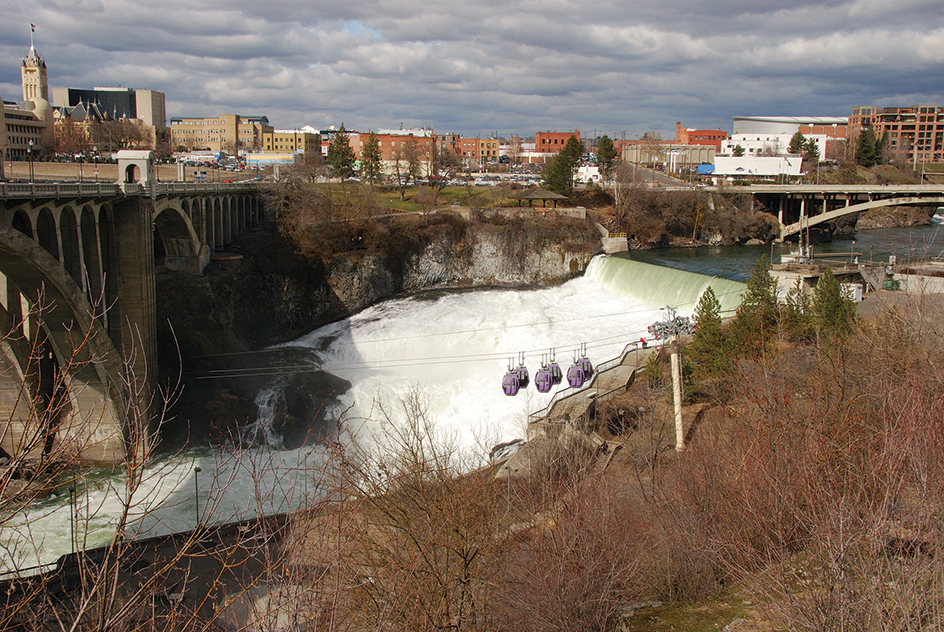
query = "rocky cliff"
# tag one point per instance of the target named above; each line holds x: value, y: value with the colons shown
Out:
x: 360, y: 280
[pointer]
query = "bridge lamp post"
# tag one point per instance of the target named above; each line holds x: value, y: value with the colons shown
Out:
x: 196, y: 495
x: 72, y: 515
x: 29, y: 152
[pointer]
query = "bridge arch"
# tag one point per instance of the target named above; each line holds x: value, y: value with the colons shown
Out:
x: 183, y: 248
x: 46, y: 233
x: 228, y: 228
x: 132, y: 174
x: 69, y: 239
x: 91, y: 419
x: 217, y: 223
x: 91, y: 264
x: 809, y: 221
x: 22, y: 223
x: 73, y: 247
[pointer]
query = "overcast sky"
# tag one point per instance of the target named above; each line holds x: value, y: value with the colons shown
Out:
x: 483, y: 66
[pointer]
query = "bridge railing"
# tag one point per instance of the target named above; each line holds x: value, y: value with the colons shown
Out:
x: 113, y: 189
x: 58, y: 189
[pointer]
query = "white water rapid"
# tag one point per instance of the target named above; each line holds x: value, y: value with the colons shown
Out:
x: 454, y: 347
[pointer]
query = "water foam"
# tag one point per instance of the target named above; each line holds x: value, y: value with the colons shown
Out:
x: 455, y: 347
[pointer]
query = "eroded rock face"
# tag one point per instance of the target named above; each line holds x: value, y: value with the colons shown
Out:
x: 361, y: 280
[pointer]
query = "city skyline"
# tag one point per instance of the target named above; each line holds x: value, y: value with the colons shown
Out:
x: 481, y: 68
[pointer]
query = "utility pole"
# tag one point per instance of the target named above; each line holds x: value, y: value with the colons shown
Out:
x: 670, y: 328
x: 676, y: 362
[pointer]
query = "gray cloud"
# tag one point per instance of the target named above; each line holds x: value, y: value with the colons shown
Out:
x: 511, y: 66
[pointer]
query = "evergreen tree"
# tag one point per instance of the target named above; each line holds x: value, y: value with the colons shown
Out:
x: 833, y: 313
x: 738, y: 151
x: 796, y: 314
x: 341, y: 156
x: 865, y: 152
x: 882, y: 149
x: 756, y: 321
x: 606, y: 156
x: 797, y: 143
x: 371, y: 168
x: 811, y: 151
x: 707, y: 350
x: 559, y: 173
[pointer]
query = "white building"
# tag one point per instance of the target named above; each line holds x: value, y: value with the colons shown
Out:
x: 588, y: 173
x: 757, y: 166
x: 768, y: 144
x: 773, y: 125
x: 770, y: 135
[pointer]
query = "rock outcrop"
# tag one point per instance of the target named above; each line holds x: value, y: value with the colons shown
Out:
x: 360, y: 280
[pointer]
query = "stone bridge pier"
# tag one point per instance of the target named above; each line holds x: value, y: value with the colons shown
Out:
x: 78, y: 352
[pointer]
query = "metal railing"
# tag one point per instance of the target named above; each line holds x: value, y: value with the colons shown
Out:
x: 570, y: 391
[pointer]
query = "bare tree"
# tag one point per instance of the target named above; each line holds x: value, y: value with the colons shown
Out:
x: 514, y: 149
x: 442, y: 165
x: 312, y: 165
x: 71, y: 138
x: 653, y: 149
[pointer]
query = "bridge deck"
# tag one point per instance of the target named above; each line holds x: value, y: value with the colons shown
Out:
x: 13, y: 190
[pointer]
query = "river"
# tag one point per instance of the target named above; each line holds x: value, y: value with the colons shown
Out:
x: 451, y: 348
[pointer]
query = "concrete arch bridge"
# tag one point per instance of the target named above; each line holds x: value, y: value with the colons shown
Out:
x: 78, y: 354
x: 799, y: 207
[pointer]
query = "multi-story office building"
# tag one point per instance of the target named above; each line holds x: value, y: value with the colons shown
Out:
x: 226, y: 132
x: 917, y: 131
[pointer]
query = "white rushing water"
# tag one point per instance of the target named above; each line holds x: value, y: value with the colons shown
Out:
x: 453, y: 347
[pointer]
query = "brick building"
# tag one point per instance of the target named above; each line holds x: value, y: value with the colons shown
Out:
x: 552, y: 142
x: 477, y: 151
x: 394, y: 146
x: 917, y: 131
x: 687, y: 136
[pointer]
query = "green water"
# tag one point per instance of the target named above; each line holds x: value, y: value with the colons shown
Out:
x: 735, y: 262
x: 659, y: 286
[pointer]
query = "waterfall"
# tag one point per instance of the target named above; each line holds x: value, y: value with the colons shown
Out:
x: 660, y: 286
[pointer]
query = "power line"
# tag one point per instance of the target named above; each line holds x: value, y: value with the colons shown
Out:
x: 399, y: 363
x: 460, y: 331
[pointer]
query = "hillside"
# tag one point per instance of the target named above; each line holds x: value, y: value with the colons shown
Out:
x: 807, y: 497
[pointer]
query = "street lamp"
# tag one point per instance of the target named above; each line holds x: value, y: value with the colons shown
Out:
x: 72, y: 515
x: 196, y: 495
x: 29, y: 152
